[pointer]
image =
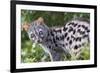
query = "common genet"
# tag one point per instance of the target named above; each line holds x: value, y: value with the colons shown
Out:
x: 68, y: 39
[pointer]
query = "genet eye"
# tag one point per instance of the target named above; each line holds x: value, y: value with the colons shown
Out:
x: 32, y: 35
x: 41, y: 33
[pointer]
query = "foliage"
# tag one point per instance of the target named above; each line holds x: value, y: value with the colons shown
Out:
x: 28, y: 54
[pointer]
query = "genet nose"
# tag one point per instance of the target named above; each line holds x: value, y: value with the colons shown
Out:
x: 39, y: 41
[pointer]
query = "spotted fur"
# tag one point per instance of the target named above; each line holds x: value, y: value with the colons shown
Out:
x: 67, y: 39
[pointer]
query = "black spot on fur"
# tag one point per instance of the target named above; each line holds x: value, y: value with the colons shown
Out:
x: 78, y: 39
x: 82, y: 32
x: 54, y: 40
x: 59, y: 31
x: 49, y: 47
x: 88, y: 30
x: 83, y: 26
x: 56, y: 45
x: 74, y: 31
x: 70, y: 42
x: 49, y: 40
x: 78, y: 30
x: 84, y: 36
x: 71, y: 23
x: 65, y: 29
x: 63, y: 45
x: 52, y: 33
x: 57, y: 38
x: 70, y: 29
x: 66, y: 44
x: 79, y: 26
x: 62, y: 37
x: 73, y: 37
x: 67, y: 38
x: 75, y: 25
x: 48, y: 34
x: 75, y: 47
x: 66, y: 34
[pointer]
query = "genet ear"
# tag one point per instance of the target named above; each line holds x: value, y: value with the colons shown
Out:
x: 40, y: 20
x: 25, y: 26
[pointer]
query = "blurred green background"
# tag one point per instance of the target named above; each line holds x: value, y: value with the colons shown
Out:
x: 28, y: 54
